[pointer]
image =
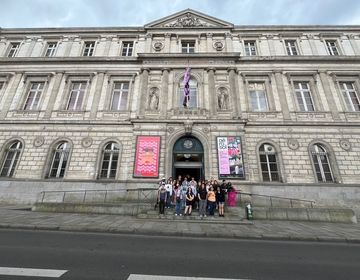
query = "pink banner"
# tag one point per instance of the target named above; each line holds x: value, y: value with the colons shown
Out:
x: 147, y: 156
x: 224, y: 166
x: 230, y: 157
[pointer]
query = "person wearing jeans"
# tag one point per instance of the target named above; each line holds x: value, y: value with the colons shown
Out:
x: 211, y: 199
x: 202, y: 196
x: 178, y: 199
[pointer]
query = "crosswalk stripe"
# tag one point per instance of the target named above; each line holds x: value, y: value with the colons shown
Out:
x: 19, y: 271
x: 162, y: 277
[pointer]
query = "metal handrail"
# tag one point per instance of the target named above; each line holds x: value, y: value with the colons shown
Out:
x: 85, y: 192
x: 271, y: 197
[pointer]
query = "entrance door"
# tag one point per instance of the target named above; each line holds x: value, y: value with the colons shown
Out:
x: 188, y: 158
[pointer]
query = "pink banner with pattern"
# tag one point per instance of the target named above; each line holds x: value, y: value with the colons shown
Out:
x: 147, y: 156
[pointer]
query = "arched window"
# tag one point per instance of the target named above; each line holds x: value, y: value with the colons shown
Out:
x: 11, y: 158
x: 268, y: 163
x: 109, y: 162
x: 59, y: 160
x: 193, y: 101
x: 321, y: 163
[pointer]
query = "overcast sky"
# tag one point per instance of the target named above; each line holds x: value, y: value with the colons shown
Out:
x: 67, y: 13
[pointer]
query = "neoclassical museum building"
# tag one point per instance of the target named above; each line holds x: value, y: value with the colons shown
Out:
x: 273, y: 109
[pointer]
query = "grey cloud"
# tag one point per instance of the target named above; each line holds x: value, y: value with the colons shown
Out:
x: 56, y: 13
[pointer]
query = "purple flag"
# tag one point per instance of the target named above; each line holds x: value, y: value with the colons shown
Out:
x: 186, y: 87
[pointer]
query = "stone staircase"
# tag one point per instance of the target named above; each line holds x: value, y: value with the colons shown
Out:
x: 232, y: 216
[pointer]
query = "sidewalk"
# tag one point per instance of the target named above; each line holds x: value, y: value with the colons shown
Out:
x: 18, y: 217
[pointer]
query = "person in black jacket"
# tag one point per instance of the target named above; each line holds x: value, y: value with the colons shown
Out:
x: 220, y: 200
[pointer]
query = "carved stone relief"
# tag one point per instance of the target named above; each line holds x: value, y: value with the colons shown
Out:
x: 345, y: 144
x: 293, y: 144
x: 223, y: 98
x: 39, y: 141
x: 188, y: 20
x: 153, y: 103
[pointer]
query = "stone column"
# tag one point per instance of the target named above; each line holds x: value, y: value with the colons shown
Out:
x: 148, y: 42
x: 209, y: 42
x: 31, y: 46
x: 164, y: 91
x: 10, y: 94
x: 329, y: 95
x: 55, y: 91
x: 234, y: 92
x: 97, y: 94
x: 313, y: 48
x: 167, y: 43
x: 282, y: 95
x: 69, y: 42
x: 229, y: 42
x: 352, y: 39
x: 211, y: 92
x: 143, y: 91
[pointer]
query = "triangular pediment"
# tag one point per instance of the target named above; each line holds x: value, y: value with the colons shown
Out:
x: 189, y: 19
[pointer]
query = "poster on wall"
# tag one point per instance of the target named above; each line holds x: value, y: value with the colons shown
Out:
x: 230, y: 157
x: 147, y: 157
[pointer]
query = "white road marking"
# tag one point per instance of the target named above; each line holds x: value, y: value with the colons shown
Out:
x: 161, y: 277
x: 19, y: 271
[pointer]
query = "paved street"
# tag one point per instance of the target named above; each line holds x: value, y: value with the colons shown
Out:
x: 116, y: 256
x: 16, y: 217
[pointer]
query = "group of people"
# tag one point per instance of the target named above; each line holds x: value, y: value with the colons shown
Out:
x: 186, y: 194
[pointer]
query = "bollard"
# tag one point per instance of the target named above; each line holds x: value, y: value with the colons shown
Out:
x: 249, y: 211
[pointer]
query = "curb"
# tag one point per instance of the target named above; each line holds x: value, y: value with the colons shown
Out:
x: 139, y: 231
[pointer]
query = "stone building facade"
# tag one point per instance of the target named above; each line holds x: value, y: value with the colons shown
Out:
x: 73, y: 102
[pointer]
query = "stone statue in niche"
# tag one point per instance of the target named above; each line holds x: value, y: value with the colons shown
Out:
x: 153, y: 99
x: 223, y: 99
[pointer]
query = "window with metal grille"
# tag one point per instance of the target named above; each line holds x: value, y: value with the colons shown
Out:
x: 51, y: 49
x: 303, y: 97
x: 127, y: 48
x: 321, y: 163
x: 60, y: 159
x: 120, y: 96
x: 268, y: 163
x: 89, y: 49
x: 291, y: 47
x: 11, y: 159
x: 187, y: 46
x: 332, y: 47
x: 110, y: 158
x: 34, y: 95
x: 258, y: 98
x: 14, y: 48
x: 350, y: 96
x: 250, y: 48
x: 76, y: 97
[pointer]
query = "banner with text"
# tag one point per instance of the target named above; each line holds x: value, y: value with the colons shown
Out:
x: 147, y: 157
x: 230, y: 158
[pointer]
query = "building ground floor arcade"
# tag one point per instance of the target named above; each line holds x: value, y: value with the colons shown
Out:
x: 310, y: 162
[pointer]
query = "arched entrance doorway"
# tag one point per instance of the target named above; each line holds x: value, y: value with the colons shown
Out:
x: 188, y: 158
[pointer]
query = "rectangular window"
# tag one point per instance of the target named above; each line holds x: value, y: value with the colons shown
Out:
x: 187, y: 46
x: 89, y: 49
x: 14, y: 48
x: 120, y: 96
x: 258, y: 99
x: 250, y: 48
x: 51, y: 48
x: 127, y: 48
x: 1, y: 85
x: 76, y: 97
x: 350, y: 96
x: 34, y: 95
x: 332, y: 47
x: 303, y: 97
x: 291, y: 47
